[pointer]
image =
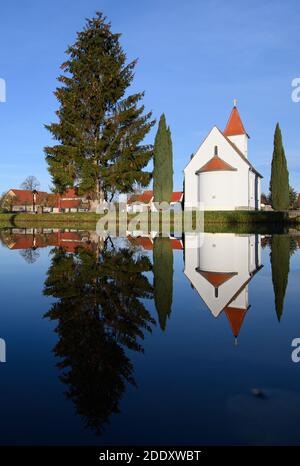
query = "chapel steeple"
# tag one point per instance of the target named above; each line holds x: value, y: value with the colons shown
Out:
x: 235, y: 130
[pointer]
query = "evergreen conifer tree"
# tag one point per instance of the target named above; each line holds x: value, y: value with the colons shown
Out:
x: 280, y: 264
x: 100, y: 126
x: 163, y: 279
x: 163, y: 163
x: 279, y: 184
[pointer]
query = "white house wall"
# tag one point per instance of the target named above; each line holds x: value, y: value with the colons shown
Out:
x: 241, y: 142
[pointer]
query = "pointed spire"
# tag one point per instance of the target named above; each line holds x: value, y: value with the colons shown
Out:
x: 236, y: 317
x: 234, y: 125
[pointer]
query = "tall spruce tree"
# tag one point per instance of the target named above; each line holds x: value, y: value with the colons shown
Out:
x: 100, y: 129
x: 163, y: 279
x: 163, y: 163
x: 279, y: 184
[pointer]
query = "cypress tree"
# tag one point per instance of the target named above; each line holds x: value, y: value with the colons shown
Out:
x: 163, y: 279
x: 163, y: 163
x: 99, y: 132
x: 280, y: 264
x: 279, y: 184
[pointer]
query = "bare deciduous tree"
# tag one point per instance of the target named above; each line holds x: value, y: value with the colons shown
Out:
x: 31, y: 183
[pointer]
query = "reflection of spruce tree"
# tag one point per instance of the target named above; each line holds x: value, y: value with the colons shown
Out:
x: 163, y: 278
x: 281, y: 249
x: 99, y: 314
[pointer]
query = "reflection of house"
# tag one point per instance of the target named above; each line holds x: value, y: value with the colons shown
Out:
x: 20, y: 200
x: 146, y: 242
x: 220, y: 268
x: 219, y: 176
x: 145, y: 201
x: 69, y: 241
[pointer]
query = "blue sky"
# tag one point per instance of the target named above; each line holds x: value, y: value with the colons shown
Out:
x: 195, y: 57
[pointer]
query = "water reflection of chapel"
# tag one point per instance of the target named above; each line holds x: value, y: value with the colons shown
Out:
x: 220, y: 267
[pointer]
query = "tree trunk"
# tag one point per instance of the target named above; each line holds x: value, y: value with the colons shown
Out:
x: 99, y: 193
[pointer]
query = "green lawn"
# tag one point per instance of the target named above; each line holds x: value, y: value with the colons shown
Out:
x: 241, y: 220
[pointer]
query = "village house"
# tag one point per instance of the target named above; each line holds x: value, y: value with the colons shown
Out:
x: 19, y: 200
x: 219, y: 175
x: 144, y: 202
x: 69, y: 241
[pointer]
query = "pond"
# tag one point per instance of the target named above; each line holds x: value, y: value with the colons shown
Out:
x: 145, y: 340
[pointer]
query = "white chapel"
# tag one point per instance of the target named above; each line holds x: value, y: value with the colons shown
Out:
x: 219, y: 175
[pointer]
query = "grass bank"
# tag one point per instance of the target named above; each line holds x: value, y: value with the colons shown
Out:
x: 226, y: 221
x: 67, y: 220
x: 236, y: 217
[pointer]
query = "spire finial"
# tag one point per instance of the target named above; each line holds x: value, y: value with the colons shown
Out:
x: 234, y: 102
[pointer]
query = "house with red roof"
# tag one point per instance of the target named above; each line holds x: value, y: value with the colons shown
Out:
x: 147, y: 242
x: 20, y: 200
x: 219, y: 175
x: 145, y: 201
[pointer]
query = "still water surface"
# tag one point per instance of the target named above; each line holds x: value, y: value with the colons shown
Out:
x: 141, y: 341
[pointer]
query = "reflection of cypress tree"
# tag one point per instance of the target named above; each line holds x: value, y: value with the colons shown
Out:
x: 99, y: 315
x: 280, y: 263
x: 163, y: 278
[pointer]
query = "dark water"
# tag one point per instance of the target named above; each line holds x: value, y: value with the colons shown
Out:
x: 135, y: 341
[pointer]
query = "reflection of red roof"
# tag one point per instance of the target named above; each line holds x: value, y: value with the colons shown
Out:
x: 216, y: 164
x: 176, y: 244
x: 217, y: 278
x: 143, y: 241
x: 147, y: 196
x: 234, y: 125
x: 147, y: 243
x: 69, y: 241
x: 236, y: 317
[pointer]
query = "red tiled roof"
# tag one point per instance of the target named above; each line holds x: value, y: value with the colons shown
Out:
x: 70, y: 193
x: 234, y: 125
x: 144, y: 197
x: 177, y: 196
x: 147, y: 196
x: 24, y: 196
x: 236, y: 317
x: 68, y: 200
x: 216, y: 164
